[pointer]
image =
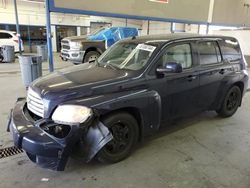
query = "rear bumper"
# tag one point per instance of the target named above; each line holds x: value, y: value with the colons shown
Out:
x: 73, y: 55
x: 48, y: 150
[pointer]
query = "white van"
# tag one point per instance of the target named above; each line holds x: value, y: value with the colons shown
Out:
x: 10, y: 38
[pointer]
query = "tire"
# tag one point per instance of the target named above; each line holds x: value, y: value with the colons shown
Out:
x: 1, y: 58
x: 125, y: 131
x: 231, y: 102
x: 64, y: 59
x: 90, y: 56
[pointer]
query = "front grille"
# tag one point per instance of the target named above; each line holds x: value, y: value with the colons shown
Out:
x: 65, y: 42
x: 65, y: 47
x: 35, y: 103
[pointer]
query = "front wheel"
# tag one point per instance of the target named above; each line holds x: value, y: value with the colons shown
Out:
x: 91, y: 56
x: 231, y: 102
x: 125, y: 131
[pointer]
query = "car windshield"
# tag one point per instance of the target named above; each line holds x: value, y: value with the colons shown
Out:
x: 127, y: 55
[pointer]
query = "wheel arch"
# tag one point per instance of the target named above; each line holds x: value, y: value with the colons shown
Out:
x: 241, y: 86
x: 133, y: 111
x: 90, y: 49
x: 222, y: 95
x: 93, y: 49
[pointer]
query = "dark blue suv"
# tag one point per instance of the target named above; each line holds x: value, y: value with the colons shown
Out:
x: 102, y: 109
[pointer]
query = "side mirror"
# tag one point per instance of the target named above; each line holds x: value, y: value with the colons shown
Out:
x: 171, y: 67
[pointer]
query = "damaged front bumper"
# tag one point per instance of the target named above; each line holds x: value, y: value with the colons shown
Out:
x: 48, y: 144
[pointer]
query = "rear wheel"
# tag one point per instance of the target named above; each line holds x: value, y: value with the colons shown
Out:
x: 125, y: 131
x: 91, y: 56
x: 231, y: 102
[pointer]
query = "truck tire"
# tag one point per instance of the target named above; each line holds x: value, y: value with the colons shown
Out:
x: 64, y: 59
x: 125, y: 131
x: 91, y: 56
x: 231, y: 102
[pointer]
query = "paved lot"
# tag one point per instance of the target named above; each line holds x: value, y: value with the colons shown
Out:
x: 205, y: 151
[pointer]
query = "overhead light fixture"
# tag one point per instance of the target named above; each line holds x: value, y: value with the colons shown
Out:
x: 34, y: 1
x: 159, y: 1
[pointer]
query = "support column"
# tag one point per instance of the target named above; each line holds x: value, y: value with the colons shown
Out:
x: 18, y: 29
x: 78, y: 31
x: 53, y: 32
x: 29, y: 40
x: 172, y: 27
x: 49, y: 41
x: 148, y: 27
x: 207, y: 31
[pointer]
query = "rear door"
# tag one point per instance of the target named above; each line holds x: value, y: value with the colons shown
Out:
x: 212, y: 72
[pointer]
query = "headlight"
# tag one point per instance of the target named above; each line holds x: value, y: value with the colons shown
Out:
x: 71, y: 114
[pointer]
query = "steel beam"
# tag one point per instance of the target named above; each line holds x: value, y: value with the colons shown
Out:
x: 18, y: 29
x: 49, y: 41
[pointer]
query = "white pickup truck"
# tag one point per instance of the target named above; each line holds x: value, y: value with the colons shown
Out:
x: 81, y: 49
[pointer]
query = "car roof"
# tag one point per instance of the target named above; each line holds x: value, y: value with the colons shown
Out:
x: 163, y: 38
x: 5, y: 31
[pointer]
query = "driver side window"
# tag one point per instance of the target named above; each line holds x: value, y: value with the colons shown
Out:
x: 180, y: 53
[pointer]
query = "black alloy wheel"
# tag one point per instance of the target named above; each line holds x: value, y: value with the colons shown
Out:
x: 231, y: 102
x: 124, y: 129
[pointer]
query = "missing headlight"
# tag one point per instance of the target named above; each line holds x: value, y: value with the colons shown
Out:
x: 56, y: 130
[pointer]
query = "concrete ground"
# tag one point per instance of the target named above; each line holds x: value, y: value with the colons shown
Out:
x: 205, y: 151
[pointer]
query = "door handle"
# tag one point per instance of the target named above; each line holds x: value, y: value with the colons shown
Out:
x: 190, y: 78
x: 222, y: 71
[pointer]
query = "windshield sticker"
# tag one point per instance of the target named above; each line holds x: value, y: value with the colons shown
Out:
x: 146, y: 47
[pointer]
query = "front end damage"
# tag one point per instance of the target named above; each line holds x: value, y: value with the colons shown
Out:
x: 49, y: 144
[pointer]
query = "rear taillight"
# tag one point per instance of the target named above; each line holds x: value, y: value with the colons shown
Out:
x: 15, y: 41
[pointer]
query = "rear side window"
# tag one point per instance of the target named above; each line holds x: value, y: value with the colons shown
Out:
x: 5, y: 36
x: 209, y: 53
x: 231, y: 50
